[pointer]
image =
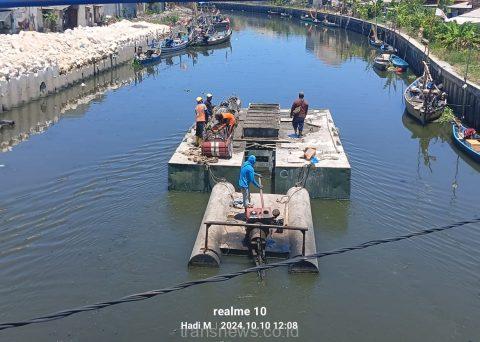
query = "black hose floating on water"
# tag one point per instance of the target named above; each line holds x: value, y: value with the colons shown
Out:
x: 228, y: 276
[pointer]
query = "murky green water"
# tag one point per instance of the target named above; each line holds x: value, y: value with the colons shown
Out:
x: 85, y: 214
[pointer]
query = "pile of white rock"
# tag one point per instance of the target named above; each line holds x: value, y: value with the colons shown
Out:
x: 28, y: 52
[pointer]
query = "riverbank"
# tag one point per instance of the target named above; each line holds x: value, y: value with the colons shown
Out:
x: 33, y: 64
x: 464, y: 97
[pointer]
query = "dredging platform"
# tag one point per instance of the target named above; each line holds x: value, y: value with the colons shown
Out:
x: 265, y: 130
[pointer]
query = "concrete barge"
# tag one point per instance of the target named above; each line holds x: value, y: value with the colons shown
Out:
x: 265, y: 130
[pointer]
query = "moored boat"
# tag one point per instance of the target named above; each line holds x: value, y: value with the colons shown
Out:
x: 212, y: 39
x: 150, y: 56
x: 375, y: 42
x: 466, y: 139
x: 387, y: 48
x: 423, y: 99
x: 170, y: 45
x: 327, y: 23
x: 220, y: 21
x: 310, y: 18
x: 398, y: 62
x: 382, y: 62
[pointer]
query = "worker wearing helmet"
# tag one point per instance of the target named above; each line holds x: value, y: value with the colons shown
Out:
x: 247, y: 176
x: 210, y: 107
x: 200, y: 118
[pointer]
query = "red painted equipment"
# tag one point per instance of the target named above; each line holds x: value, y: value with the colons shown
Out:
x: 221, y: 148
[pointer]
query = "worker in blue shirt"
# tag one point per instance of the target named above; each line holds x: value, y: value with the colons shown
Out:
x: 247, y: 176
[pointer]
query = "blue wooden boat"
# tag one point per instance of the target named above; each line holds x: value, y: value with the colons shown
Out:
x: 387, y: 48
x: 170, y: 45
x: 307, y: 18
x: 327, y: 23
x: 470, y: 145
x: 149, y: 57
x: 398, y: 62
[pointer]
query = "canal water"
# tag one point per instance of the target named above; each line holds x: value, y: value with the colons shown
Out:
x: 85, y: 214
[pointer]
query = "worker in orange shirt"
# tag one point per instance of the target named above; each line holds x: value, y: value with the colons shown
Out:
x: 226, y: 119
x: 200, y: 118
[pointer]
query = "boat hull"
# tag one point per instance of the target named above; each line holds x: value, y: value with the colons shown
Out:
x: 420, y: 115
x: 415, y: 107
x: 375, y: 43
x: 167, y: 50
x: 381, y: 64
x: 149, y: 61
x: 463, y: 145
x: 398, y: 62
x: 329, y: 24
x: 214, y: 42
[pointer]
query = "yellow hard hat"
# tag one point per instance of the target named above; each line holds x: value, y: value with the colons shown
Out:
x: 199, y: 99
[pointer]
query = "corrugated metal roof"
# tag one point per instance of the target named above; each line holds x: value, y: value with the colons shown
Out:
x: 57, y: 8
x: 461, y: 5
x: 472, y: 17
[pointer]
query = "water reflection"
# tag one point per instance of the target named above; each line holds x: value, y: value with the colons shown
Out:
x: 271, y: 28
x: 426, y: 135
x: 335, y: 46
x: 37, y: 116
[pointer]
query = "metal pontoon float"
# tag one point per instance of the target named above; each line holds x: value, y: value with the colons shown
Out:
x: 226, y: 231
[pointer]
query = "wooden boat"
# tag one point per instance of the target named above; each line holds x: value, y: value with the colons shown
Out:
x: 382, y: 62
x: 213, y: 39
x: 387, y: 48
x: 398, y: 62
x: 375, y: 42
x: 150, y: 56
x: 309, y: 19
x: 327, y: 23
x: 470, y: 144
x: 273, y: 12
x: 220, y: 21
x: 170, y: 45
x: 6, y: 123
x: 423, y: 99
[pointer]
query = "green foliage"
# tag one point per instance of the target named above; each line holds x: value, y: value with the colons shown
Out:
x: 170, y: 19
x: 447, y: 116
x: 280, y: 2
x: 453, y: 35
x: 50, y: 19
x: 136, y: 64
x: 368, y: 10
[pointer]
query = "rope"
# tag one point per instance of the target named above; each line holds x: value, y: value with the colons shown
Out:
x: 224, y: 277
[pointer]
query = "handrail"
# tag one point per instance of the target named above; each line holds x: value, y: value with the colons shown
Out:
x: 208, y: 224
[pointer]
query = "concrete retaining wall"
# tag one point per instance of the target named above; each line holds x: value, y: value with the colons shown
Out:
x: 408, y: 48
x: 25, y: 88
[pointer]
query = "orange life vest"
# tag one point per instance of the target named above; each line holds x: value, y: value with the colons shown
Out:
x: 200, y: 112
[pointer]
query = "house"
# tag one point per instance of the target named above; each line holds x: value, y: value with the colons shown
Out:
x: 472, y: 17
x: 129, y: 10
